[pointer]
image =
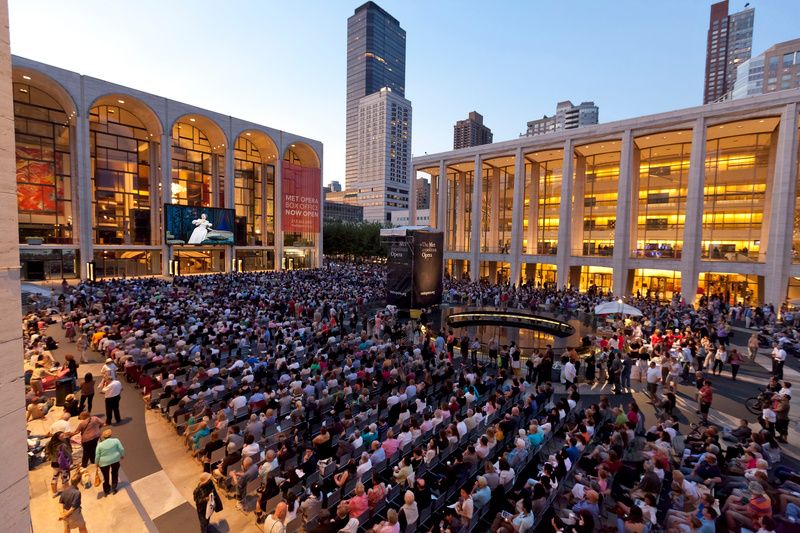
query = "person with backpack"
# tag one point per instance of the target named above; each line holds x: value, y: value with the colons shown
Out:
x: 59, y: 452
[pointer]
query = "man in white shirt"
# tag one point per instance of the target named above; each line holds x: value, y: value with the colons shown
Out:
x: 112, y: 392
x: 60, y: 425
x: 462, y: 428
x: 570, y: 373
x: 238, y: 402
x: 778, y: 360
x: 653, y: 377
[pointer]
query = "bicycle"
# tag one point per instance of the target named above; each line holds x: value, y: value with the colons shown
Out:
x: 756, y: 404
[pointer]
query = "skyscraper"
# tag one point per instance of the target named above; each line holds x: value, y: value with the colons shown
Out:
x: 384, y: 154
x: 730, y: 42
x: 568, y: 116
x: 376, y: 59
x: 471, y: 132
x: 775, y: 69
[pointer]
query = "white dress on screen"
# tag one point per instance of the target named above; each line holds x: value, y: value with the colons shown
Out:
x: 200, y: 231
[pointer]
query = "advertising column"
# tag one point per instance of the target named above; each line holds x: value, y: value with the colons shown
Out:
x: 398, y: 277
x: 428, y: 258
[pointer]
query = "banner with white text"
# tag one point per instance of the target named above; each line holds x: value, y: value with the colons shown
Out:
x: 301, y: 202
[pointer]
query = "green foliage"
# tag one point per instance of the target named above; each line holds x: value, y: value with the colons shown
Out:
x: 352, y: 240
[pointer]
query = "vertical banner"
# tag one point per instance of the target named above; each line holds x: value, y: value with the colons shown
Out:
x: 428, y: 259
x: 398, y: 277
x: 301, y: 203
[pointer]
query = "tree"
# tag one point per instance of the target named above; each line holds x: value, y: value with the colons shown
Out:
x: 352, y: 240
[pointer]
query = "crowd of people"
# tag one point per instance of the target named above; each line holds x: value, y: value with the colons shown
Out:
x: 310, y: 406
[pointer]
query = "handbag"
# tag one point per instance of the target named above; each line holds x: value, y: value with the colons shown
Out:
x: 211, y: 506
x: 97, y: 479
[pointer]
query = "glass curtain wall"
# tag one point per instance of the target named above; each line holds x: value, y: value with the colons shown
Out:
x: 542, y: 199
x: 736, y: 175
x: 660, y: 284
x: 120, y: 151
x: 192, y: 164
x: 599, y: 201
x: 497, y: 198
x: 538, y: 274
x: 597, y: 277
x: 663, y: 176
x: 459, y: 207
x: 247, y: 188
x: 731, y: 288
x: 44, y: 181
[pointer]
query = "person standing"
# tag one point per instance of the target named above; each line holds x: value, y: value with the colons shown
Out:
x: 83, y: 345
x: 653, y: 376
x: 206, y: 501
x: 112, y: 392
x: 706, y: 396
x: 473, y: 349
x: 107, y: 457
x: 720, y: 358
x: 778, y: 360
x: 752, y: 346
x: 735, y: 360
x: 616, y: 372
x: 70, y: 501
x: 87, y: 392
x: 89, y: 428
x: 570, y: 374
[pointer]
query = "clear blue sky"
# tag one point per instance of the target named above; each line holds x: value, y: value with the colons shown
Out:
x: 283, y: 63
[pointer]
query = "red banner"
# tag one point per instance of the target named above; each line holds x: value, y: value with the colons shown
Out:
x: 301, y: 202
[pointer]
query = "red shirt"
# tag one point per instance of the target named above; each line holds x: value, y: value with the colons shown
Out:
x: 706, y: 394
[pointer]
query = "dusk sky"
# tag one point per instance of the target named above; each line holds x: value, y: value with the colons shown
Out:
x: 282, y: 64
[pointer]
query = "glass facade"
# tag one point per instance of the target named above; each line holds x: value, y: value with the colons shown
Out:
x: 198, y: 261
x: 595, y: 277
x: 248, y: 189
x: 662, y: 188
x: 459, y: 207
x: 542, y: 202
x: 651, y: 283
x: 49, y: 263
x: 192, y: 166
x: 495, y: 271
x: 456, y: 268
x: 120, y: 150
x: 595, y: 198
x: 732, y: 288
x: 126, y: 263
x: 736, y: 177
x: 44, y: 167
x: 254, y: 260
x: 538, y: 274
x: 497, y: 199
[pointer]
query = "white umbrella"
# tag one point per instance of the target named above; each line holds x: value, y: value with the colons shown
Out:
x: 616, y: 308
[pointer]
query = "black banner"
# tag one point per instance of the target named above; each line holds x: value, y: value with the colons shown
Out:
x: 398, y: 279
x: 428, y: 258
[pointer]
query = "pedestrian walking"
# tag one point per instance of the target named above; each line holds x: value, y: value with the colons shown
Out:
x: 70, y: 501
x: 89, y: 428
x: 652, y: 376
x: 87, y: 392
x: 113, y: 392
x: 720, y: 358
x: 752, y: 346
x: 59, y: 452
x: 83, y: 345
x: 616, y: 372
x: 735, y: 360
x: 206, y: 500
x: 107, y: 457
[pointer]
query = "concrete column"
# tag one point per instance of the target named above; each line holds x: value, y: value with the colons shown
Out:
x: 215, y: 177
x: 475, y: 230
x: 578, y: 205
x: 635, y: 187
x: 565, y: 216
x: 781, y: 223
x: 766, y: 213
x: 516, y: 216
x: 412, y: 197
x: 14, y: 499
x: 441, y: 198
x: 84, y: 199
x: 433, y: 202
x: 693, y: 225
x: 279, y: 213
x: 166, y: 193
x: 622, y: 235
x: 533, y: 209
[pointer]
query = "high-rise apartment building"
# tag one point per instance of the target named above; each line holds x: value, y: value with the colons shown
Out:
x: 568, y: 116
x: 775, y: 69
x: 471, y: 132
x: 423, y: 193
x: 384, y: 154
x: 336, y: 186
x: 730, y: 43
x: 376, y: 59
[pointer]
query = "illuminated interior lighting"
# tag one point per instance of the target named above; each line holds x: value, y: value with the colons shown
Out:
x: 120, y: 101
x: 191, y: 120
x: 23, y: 90
x: 25, y: 77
